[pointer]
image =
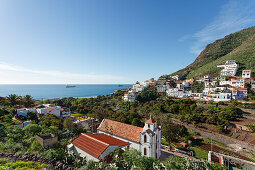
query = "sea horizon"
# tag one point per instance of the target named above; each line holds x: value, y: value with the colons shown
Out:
x: 56, y: 91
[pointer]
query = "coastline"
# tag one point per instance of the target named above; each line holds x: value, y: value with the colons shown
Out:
x: 53, y: 91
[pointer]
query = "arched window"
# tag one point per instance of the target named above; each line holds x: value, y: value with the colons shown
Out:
x: 145, y: 139
x: 144, y: 151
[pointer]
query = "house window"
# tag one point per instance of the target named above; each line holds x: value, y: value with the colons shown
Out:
x: 144, y: 151
x: 145, y: 139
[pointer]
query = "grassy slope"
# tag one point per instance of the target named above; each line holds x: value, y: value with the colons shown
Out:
x: 241, y: 45
x: 244, y: 55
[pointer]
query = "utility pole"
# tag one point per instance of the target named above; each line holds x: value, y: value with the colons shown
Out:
x: 211, y: 143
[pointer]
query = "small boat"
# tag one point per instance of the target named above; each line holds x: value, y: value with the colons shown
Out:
x: 120, y: 85
x: 69, y: 86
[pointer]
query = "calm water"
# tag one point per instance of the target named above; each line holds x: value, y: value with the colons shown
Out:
x: 60, y: 91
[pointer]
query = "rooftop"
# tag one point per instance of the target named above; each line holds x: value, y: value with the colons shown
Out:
x: 150, y: 120
x: 121, y: 129
x: 46, y: 136
x: 96, y: 144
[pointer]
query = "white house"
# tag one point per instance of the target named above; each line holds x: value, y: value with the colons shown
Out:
x: 175, y: 92
x: 230, y: 68
x: 44, y: 109
x: 145, y: 83
x: 207, y: 78
x: 237, y: 82
x: 175, y: 77
x: 185, y: 84
x: 246, y: 74
x: 209, y: 84
x: 197, y: 95
x: 162, y: 88
x: 138, y: 87
x: 95, y: 147
x: 22, y: 112
x: 130, y: 95
x: 221, y: 97
x: 224, y: 82
x: 147, y: 140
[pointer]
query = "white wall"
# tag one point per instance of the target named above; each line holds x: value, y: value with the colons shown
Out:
x: 132, y: 145
x: 109, y: 150
x: 84, y: 154
x: 42, y: 110
x: 22, y: 112
x: 56, y: 112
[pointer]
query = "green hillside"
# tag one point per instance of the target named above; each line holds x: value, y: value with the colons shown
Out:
x: 239, y: 46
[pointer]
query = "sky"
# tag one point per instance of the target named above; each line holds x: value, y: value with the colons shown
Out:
x: 110, y: 41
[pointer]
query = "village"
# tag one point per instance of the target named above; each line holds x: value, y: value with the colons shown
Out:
x: 96, y: 136
x: 223, y: 88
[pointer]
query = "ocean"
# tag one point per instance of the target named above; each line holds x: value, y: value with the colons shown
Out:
x: 40, y: 92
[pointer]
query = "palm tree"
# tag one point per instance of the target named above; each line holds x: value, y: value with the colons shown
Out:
x: 13, y: 99
x: 28, y: 100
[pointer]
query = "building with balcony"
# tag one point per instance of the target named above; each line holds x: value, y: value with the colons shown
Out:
x: 246, y: 74
x: 237, y: 82
x: 229, y: 68
x: 239, y: 93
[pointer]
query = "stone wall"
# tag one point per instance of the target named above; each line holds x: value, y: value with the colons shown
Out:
x: 216, y: 136
x: 52, y: 163
x: 48, y: 141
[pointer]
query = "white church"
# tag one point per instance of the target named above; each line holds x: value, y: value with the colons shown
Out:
x: 112, y: 134
x: 147, y: 140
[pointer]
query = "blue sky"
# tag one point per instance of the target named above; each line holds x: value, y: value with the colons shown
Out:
x: 109, y: 41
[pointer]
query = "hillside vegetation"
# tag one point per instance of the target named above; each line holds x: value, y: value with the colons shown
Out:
x: 239, y: 46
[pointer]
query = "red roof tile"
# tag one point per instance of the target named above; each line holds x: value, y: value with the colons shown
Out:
x: 150, y: 120
x: 96, y: 144
x: 38, y: 106
x: 121, y: 129
x: 184, y: 144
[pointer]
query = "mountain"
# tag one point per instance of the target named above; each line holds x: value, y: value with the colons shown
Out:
x: 239, y: 46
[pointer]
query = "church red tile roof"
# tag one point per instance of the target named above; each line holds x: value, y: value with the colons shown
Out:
x: 150, y: 120
x: 123, y: 130
x: 96, y: 144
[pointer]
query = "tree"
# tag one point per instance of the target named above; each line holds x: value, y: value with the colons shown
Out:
x: 13, y: 99
x: 50, y: 120
x: 136, y: 122
x: 172, y: 132
x: 52, y: 129
x: 35, y: 146
x: 2, y: 131
x: 32, y: 129
x: 78, y: 130
x: 100, y: 113
x: 68, y: 123
x: 28, y: 101
x: 32, y: 116
x: 15, y: 133
x: 148, y: 94
x: 197, y: 87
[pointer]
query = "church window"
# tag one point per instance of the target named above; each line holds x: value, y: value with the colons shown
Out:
x: 144, y: 151
x: 145, y: 139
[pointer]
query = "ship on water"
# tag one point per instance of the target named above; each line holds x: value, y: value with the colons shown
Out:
x: 69, y: 86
